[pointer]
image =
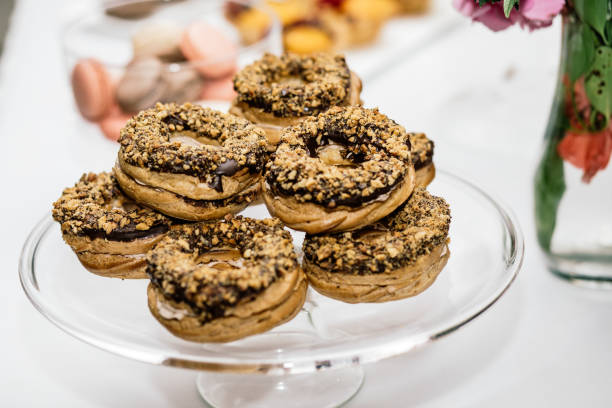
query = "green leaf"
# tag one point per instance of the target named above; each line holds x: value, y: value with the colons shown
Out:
x: 549, y: 185
x: 509, y: 5
x: 549, y: 189
x: 594, y: 13
x: 598, y: 83
x: 582, y: 45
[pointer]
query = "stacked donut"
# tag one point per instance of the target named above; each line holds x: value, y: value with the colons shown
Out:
x: 348, y: 176
x: 354, y: 180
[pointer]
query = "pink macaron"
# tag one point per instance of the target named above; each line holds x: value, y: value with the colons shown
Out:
x: 93, y: 90
x: 212, y: 53
x: 111, y: 125
x: 221, y: 89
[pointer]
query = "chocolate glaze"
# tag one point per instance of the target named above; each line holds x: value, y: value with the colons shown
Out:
x: 335, y: 133
x: 254, y: 84
x: 419, y: 163
x: 126, y: 234
x: 227, y: 168
x: 335, y: 200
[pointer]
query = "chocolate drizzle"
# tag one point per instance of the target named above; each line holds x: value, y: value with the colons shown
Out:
x: 227, y: 168
x: 126, y: 234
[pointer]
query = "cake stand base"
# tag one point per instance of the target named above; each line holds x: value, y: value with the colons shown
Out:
x: 326, y: 388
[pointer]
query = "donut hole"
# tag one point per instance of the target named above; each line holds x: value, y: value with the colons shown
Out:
x: 334, y: 150
x: 192, y: 139
x: 291, y: 81
x: 221, y: 258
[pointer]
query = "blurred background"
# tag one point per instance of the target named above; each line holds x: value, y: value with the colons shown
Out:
x: 483, y: 97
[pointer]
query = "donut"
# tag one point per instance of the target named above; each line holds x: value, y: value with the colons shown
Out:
x: 275, y: 92
x: 397, y: 257
x: 190, y: 162
x: 422, y: 158
x: 340, y: 170
x: 224, y: 280
x: 108, y: 232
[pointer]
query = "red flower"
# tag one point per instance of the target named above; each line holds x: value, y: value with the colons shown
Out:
x: 589, y: 151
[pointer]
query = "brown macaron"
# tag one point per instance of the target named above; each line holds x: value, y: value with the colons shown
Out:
x: 141, y: 85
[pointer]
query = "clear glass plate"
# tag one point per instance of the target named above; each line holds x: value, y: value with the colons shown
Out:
x: 486, y: 254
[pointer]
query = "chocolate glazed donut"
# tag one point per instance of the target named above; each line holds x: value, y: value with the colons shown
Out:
x: 191, y: 162
x: 338, y: 171
x: 108, y: 231
x: 224, y: 280
x: 275, y: 92
x: 397, y: 257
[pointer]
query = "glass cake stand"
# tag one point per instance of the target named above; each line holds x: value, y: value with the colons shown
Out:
x: 313, y: 360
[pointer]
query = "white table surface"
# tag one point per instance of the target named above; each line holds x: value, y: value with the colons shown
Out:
x: 483, y: 97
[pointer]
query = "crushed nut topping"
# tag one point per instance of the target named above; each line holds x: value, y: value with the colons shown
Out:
x: 422, y: 150
x: 294, y: 85
x: 146, y: 141
x: 265, y: 247
x: 96, y: 207
x: 414, y: 229
x: 376, y: 148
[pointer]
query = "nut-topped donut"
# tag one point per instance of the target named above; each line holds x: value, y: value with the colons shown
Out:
x: 340, y: 170
x: 108, y: 231
x: 224, y: 280
x: 190, y: 162
x: 279, y: 91
x: 397, y: 257
x: 422, y: 158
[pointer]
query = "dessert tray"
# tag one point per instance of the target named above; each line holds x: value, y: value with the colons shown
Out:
x: 313, y: 360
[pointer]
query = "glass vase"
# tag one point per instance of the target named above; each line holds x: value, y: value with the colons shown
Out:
x: 573, y: 182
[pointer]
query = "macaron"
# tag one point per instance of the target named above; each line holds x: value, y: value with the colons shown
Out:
x: 141, y: 85
x: 131, y: 10
x: 92, y: 86
x: 111, y: 125
x: 182, y: 85
x: 219, y: 89
x: 212, y: 53
x: 159, y: 39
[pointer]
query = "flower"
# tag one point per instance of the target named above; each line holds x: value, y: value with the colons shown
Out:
x: 532, y: 14
x: 586, y: 150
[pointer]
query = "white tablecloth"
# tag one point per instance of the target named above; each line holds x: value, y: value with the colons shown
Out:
x: 483, y: 97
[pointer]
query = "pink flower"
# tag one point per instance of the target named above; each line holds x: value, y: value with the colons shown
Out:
x: 532, y: 14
